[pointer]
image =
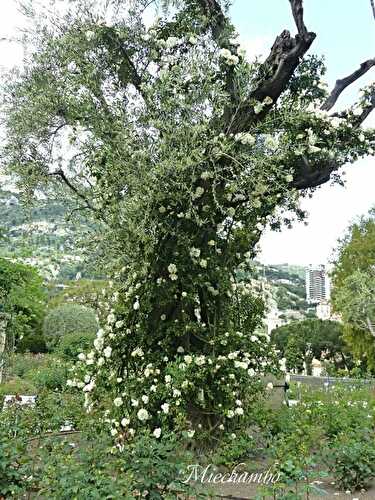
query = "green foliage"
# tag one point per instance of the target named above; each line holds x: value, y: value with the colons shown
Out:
x: 34, y: 343
x: 66, y: 319
x: 22, y: 296
x: 88, y: 472
x: 155, y: 466
x: 235, y: 450
x: 19, y: 364
x: 352, y: 461
x: 17, y: 386
x: 353, y: 287
x: 72, y: 344
x: 14, y: 461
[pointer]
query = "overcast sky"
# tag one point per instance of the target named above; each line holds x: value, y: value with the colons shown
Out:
x: 346, y: 36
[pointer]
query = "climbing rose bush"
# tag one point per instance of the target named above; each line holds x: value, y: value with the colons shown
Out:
x: 184, y: 151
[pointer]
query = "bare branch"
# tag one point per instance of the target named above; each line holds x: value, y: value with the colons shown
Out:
x: 60, y: 173
x: 373, y: 7
x: 297, y: 10
x: 345, y: 82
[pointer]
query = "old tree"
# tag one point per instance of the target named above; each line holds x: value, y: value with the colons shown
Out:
x: 185, y: 151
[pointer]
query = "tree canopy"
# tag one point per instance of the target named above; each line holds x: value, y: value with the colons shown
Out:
x: 301, y: 341
x: 22, y: 298
x: 353, y: 292
x: 185, y: 150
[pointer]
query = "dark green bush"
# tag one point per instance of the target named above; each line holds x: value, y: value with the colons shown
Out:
x: 34, y: 343
x: 66, y: 319
x: 352, y: 461
x: 74, y: 343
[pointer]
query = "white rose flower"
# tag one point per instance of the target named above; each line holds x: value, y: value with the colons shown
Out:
x: 258, y: 107
x: 99, y: 343
x: 172, y: 269
x: 165, y: 407
x: 195, y: 252
x: 89, y: 35
x: 268, y: 100
x: 100, y: 362
x: 239, y: 411
x: 107, y: 352
x: 82, y: 356
x: 125, y: 422
x: 145, y: 399
x: 118, y: 402
x: 157, y: 432
x: 111, y: 318
x: 269, y: 386
x: 188, y: 359
x: 171, y: 42
x: 142, y: 414
x: 200, y: 360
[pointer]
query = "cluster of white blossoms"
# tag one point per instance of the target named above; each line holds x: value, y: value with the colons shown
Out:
x: 245, y: 138
x: 195, y: 252
x: 172, y: 269
x: 230, y: 59
x: 259, y: 106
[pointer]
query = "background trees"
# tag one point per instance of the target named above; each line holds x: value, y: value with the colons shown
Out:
x: 22, y: 298
x: 353, y: 293
x: 301, y: 341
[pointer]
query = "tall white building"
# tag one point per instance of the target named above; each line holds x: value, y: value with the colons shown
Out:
x: 317, y: 286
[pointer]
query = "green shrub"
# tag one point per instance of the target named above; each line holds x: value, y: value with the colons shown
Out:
x: 73, y: 343
x: 156, y: 467
x: 233, y: 451
x: 352, y: 461
x: 66, y: 319
x: 34, y: 343
x: 50, y: 377
x: 14, y: 461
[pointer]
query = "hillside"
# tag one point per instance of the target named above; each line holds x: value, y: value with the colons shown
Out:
x: 42, y: 235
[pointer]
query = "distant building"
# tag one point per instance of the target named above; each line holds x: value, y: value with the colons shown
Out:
x: 323, y: 310
x: 273, y: 320
x: 316, y: 284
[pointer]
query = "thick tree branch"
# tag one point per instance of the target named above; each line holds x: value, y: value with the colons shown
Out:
x: 345, y: 82
x: 373, y: 7
x: 60, y: 173
x: 308, y: 175
x: 276, y: 71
